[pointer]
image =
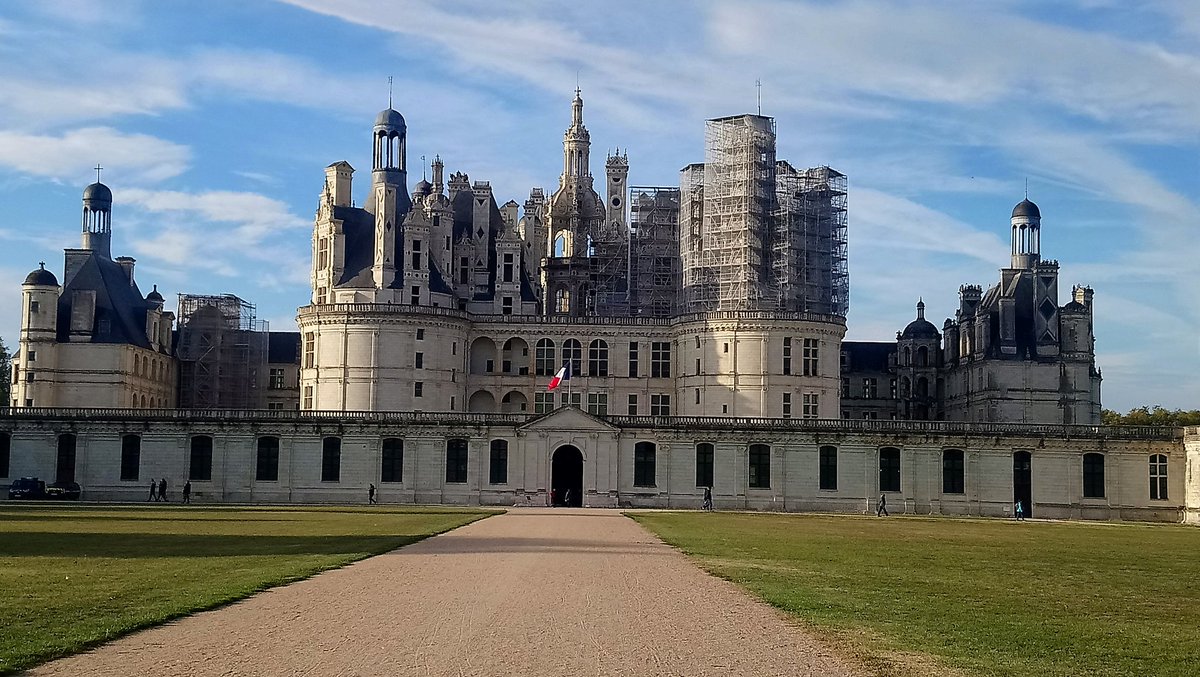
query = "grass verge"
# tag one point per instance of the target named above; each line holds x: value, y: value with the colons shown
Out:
x: 982, y: 597
x: 74, y: 576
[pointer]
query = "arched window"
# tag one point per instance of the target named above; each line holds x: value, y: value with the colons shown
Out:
x: 498, y: 462
x: 828, y: 468
x: 922, y: 356
x: 922, y: 387
x: 331, y: 459
x: 456, y: 461
x: 573, y: 353
x: 266, y: 468
x: 562, y: 301
x: 545, y: 363
x: 131, y: 457
x: 907, y: 356
x: 392, y: 460
x: 705, y: 454
x: 644, y: 454
x: 952, y: 472
x: 1093, y: 475
x: 66, y: 458
x: 760, y: 466
x: 200, y: 467
x: 889, y: 469
x: 1158, y: 477
x: 598, y: 358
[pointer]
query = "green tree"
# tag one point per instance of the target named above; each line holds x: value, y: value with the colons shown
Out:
x: 1153, y: 416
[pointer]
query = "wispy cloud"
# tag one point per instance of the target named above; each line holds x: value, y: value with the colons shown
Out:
x: 69, y: 156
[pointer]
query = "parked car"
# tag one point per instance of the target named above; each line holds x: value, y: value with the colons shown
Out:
x: 27, y: 488
x: 63, y: 491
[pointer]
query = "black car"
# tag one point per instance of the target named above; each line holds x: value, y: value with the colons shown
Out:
x: 63, y: 491
x: 27, y: 488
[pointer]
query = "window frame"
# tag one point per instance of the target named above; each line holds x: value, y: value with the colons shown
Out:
x: 457, y: 460
x: 758, y: 466
x: 954, y: 471
x: 391, y: 460
x: 200, y: 471
x: 1093, y: 475
x: 827, y: 467
x: 266, y: 452
x: 645, y: 464
x: 598, y: 358
x: 131, y: 457
x: 890, y: 470
x: 706, y: 456
x: 331, y: 459
x: 498, y: 462
x: 1158, y: 477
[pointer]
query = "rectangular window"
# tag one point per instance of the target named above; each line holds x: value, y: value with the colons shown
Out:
x: 419, y: 361
x: 322, y: 253
x: 660, y: 405
x: 416, y: 255
x: 131, y: 457
x: 331, y: 459
x: 704, y: 464
x: 633, y: 410
x: 392, y: 460
x: 418, y: 389
x: 953, y: 481
x: 787, y: 355
x: 633, y: 359
x: 416, y: 296
x: 33, y: 356
x: 572, y: 399
x: 498, y: 462
x: 464, y: 270
x: 892, y: 389
x: 660, y: 359
x: 598, y: 358
x: 845, y: 386
x: 508, y: 268
x: 810, y: 357
x: 828, y: 469
x: 810, y: 405
x: 760, y: 466
x: 870, y: 388
x: 1093, y: 475
x: 5, y: 453
x: 274, y: 406
x: 889, y: 469
x: 1158, y: 477
x: 266, y: 468
x: 34, y: 307
x: 597, y: 404
x: 29, y: 376
x: 456, y: 461
x: 543, y: 403
x: 200, y: 467
x: 644, y: 464
x: 787, y: 405
x: 421, y: 334
x: 276, y: 382
x: 310, y: 349
x: 308, y: 397
x: 506, y: 307
x: 725, y: 347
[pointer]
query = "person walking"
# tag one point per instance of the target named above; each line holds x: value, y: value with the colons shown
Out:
x: 162, y: 490
x: 881, y: 507
x: 371, y: 495
x: 567, y: 498
x: 153, y: 491
x: 1020, y: 511
x: 708, y: 505
x: 187, y: 491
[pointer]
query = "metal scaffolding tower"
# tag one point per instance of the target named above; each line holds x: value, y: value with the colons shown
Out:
x: 222, y: 352
x: 808, y: 245
x: 654, y: 262
x: 728, y: 264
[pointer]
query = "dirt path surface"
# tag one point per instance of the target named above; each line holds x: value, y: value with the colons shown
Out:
x: 532, y: 592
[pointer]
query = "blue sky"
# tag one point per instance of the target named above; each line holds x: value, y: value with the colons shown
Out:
x: 214, y: 122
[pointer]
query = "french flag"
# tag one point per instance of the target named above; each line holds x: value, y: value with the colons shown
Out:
x: 563, y: 374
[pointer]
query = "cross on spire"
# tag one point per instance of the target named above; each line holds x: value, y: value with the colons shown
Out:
x: 98, y: 168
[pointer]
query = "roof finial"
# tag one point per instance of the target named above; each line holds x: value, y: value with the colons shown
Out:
x: 758, y: 86
x: 1026, y: 187
x: 920, y: 308
x: 98, y: 168
x: 389, y: 92
x: 423, y: 178
x: 42, y: 264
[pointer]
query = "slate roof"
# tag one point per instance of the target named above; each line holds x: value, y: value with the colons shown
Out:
x: 283, y: 347
x: 868, y: 355
x: 120, y: 307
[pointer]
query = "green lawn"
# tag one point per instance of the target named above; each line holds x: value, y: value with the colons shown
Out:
x: 984, y: 597
x: 73, y: 576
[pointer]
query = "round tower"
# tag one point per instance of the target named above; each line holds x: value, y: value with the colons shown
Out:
x: 97, y: 219
x: 1026, y: 235
x: 39, y: 322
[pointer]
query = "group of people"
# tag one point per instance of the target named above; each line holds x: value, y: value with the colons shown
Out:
x: 881, y: 508
x: 158, y: 491
x: 563, y: 499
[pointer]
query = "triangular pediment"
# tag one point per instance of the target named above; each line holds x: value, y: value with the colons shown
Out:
x: 569, y: 418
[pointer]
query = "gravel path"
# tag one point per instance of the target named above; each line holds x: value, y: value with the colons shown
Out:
x: 532, y: 592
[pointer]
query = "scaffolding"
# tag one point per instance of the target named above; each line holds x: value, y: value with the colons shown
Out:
x: 728, y: 267
x: 222, y: 351
x: 808, y: 245
x: 654, y: 213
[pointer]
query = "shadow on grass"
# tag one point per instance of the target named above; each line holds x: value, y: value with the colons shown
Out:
x: 153, y: 546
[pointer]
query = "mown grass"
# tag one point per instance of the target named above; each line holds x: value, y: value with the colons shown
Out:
x: 982, y: 597
x: 75, y: 576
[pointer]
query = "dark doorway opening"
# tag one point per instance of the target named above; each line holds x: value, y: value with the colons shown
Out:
x: 1023, y: 481
x: 65, y: 470
x: 566, y: 477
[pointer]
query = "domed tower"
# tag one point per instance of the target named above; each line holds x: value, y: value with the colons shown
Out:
x: 1026, y: 235
x: 39, y: 322
x: 390, y: 201
x: 97, y: 219
x: 918, y: 356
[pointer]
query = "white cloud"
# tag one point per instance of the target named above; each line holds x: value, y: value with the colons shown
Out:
x: 70, y: 156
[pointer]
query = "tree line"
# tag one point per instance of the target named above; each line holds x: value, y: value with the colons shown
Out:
x: 1156, y: 415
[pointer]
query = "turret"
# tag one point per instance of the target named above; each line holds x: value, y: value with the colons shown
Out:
x: 97, y: 219
x: 1026, y: 235
x: 338, y: 179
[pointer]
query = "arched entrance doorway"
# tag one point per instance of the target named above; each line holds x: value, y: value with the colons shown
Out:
x: 1023, y: 481
x: 566, y: 476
